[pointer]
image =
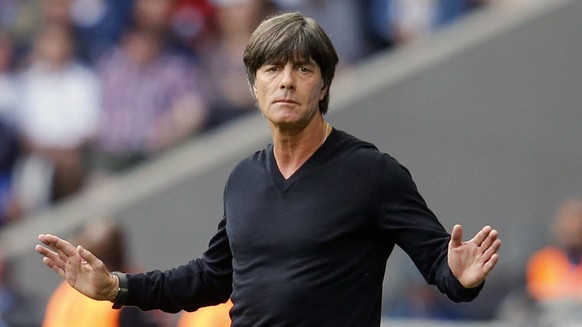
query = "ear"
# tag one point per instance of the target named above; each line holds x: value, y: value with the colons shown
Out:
x: 323, y: 91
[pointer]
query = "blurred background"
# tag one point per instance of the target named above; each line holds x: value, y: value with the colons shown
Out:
x: 134, y: 111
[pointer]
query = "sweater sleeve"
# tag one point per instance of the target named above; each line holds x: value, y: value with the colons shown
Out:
x: 411, y: 225
x: 201, y: 282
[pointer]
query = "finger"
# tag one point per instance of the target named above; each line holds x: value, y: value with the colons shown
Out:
x: 46, y: 252
x: 489, y: 265
x: 86, y: 255
x: 493, y: 235
x: 42, y: 250
x: 481, y: 235
x: 73, y: 267
x: 456, y: 236
x: 52, y: 266
x: 54, y: 257
x: 492, y: 250
x: 62, y: 248
x: 48, y: 239
x: 58, y: 244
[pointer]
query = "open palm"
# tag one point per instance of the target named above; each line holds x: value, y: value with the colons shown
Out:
x: 79, y: 267
x: 472, y: 261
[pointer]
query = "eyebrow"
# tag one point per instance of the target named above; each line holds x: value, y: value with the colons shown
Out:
x: 309, y: 62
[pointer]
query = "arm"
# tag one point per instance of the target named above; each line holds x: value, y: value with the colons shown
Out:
x: 201, y: 282
x: 414, y: 227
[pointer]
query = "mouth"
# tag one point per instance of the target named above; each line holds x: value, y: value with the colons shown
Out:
x: 285, y: 101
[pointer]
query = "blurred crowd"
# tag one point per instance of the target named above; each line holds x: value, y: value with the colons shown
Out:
x: 90, y: 88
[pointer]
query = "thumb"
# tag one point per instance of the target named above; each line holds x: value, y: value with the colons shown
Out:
x: 86, y: 255
x: 456, y: 236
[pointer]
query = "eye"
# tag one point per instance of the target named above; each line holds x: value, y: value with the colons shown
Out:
x: 304, y: 69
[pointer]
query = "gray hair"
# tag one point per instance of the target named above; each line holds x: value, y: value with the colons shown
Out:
x: 291, y: 37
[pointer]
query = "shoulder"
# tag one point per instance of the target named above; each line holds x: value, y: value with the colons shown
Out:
x: 258, y: 158
x: 349, y: 141
x: 250, y: 167
x: 385, y: 171
x: 364, y: 151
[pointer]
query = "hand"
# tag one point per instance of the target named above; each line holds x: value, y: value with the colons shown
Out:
x: 472, y: 261
x: 79, y: 267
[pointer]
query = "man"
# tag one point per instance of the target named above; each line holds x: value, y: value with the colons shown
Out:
x: 554, y: 273
x: 309, y: 221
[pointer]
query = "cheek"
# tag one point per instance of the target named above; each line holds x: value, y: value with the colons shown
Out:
x: 260, y: 97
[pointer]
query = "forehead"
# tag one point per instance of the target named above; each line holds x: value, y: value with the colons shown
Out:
x: 295, y: 59
x: 301, y: 55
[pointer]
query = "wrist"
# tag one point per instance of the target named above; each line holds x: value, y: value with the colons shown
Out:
x: 119, y: 292
x: 114, y: 289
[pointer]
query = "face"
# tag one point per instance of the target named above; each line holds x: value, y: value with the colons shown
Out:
x: 569, y: 226
x: 152, y: 13
x: 54, y: 45
x: 5, y: 52
x: 288, y: 94
x: 141, y: 48
x: 239, y: 17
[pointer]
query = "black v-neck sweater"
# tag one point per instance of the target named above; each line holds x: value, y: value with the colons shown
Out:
x: 310, y: 250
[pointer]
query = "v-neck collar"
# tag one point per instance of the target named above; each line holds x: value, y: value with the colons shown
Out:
x: 311, y: 163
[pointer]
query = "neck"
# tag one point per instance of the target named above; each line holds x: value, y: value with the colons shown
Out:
x: 292, y: 150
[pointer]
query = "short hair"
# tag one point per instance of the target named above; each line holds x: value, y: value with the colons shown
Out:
x: 291, y: 37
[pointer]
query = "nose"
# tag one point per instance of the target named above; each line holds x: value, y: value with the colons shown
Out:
x: 287, y: 78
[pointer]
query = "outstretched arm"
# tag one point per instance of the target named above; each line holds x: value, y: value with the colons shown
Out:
x: 472, y: 261
x: 79, y: 267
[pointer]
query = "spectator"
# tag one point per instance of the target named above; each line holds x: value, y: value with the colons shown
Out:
x: 8, y: 9
x: 98, y: 25
x: 151, y: 101
x: 554, y: 273
x: 56, y: 12
x: 23, y: 17
x: 32, y: 16
x: 58, y: 112
x: 417, y: 300
x: 67, y: 307
x: 10, y: 209
x: 155, y: 16
x: 17, y: 309
x: 235, y: 21
x: 7, y: 82
x: 9, y: 145
x: 191, y: 22
x: 403, y: 21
